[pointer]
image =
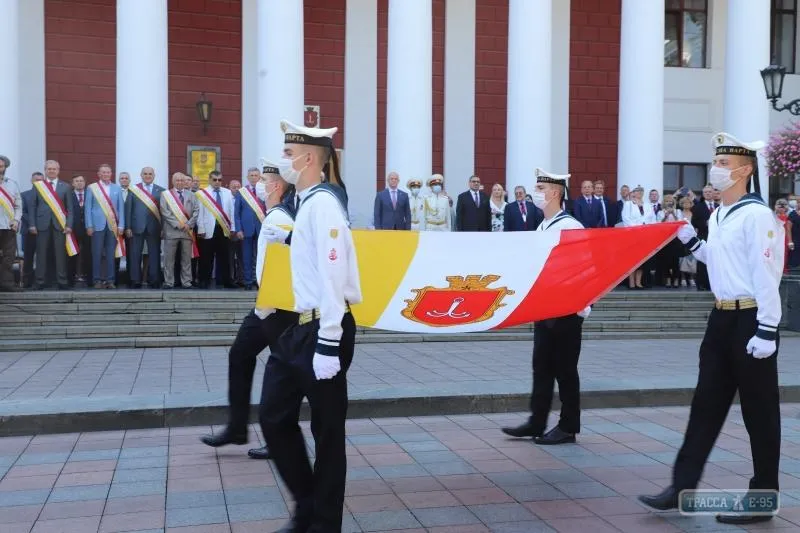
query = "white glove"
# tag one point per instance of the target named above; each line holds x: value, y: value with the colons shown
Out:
x: 760, y: 348
x: 586, y: 312
x: 326, y: 366
x: 686, y: 233
x: 276, y: 233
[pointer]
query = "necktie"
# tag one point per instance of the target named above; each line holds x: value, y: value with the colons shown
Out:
x: 589, y: 200
x: 522, y: 209
x: 477, y: 202
x: 710, y: 207
x: 603, y: 205
x: 394, y: 198
x: 80, y: 198
x: 217, y: 197
x: 180, y: 195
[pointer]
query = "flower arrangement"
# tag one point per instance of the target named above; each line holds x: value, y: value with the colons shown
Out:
x: 783, y: 152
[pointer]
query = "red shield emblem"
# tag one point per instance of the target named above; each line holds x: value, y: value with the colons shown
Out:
x: 311, y: 116
x: 466, y: 301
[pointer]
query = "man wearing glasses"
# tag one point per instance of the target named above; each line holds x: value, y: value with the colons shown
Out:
x: 472, y: 210
x: 215, y: 225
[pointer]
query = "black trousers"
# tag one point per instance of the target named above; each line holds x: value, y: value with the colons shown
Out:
x: 215, y: 251
x: 556, y: 348
x: 701, y: 278
x: 725, y: 367
x: 135, y: 256
x: 254, y: 335
x: 8, y: 253
x: 51, y: 240
x: 289, y: 377
x: 81, y: 264
x: 29, y: 252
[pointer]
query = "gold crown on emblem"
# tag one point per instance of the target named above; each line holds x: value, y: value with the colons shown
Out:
x: 472, y: 282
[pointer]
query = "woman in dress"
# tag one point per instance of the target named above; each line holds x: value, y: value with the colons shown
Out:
x: 636, y: 212
x: 497, y: 204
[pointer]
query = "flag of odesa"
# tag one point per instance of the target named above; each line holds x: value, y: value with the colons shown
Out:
x: 442, y: 282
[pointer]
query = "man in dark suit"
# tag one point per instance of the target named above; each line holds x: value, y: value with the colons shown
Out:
x: 701, y: 212
x: 587, y: 210
x: 473, y: 212
x: 608, y: 209
x: 28, y: 238
x: 624, y: 196
x: 51, y: 236
x: 248, y: 224
x: 392, y: 208
x: 144, y: 225
x: 79, y: 267
x: 521, y: 215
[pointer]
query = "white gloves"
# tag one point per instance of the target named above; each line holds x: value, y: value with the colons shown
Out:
x: 326, y: 366
x: 760, y: 348
x: 585, y: 313
x: 686, y: 233
x: 276, y: 234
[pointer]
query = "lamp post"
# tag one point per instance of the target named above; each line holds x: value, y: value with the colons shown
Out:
x: 204, y: 111
x: 773, y: 77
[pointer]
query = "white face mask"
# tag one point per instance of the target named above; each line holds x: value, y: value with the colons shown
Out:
x: 720, y: 178
x: 539, y: 200
x: 415, y: 191
x: 436, y: 189
x: 288, y: 172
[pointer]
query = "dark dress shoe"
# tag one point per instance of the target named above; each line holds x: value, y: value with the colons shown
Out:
x: 525, y: 430
x: 258, y: 453
x: 666, y: 500
x: 221, y: 439
x: 742, y: 519
x: 555, y: 436
x: 294, y: 526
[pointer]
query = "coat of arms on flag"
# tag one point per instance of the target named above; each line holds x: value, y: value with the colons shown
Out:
x: 467, y: 300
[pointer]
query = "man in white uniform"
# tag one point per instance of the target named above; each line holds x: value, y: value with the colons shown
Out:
x: 557, y: 341
x: 261, y: 328
x: 314, y: 354
x: 744, y: 255
x: 437, y: 208
x: 417, y: 204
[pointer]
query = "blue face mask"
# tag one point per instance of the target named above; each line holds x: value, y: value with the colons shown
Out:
x: 436, y: 189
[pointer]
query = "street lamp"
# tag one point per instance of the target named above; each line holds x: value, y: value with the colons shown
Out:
x: 773, y: 77
x: 204, y: 111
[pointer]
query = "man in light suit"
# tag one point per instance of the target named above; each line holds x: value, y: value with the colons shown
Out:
x: 177, y: 235
x: 586, y: 208
x: 212, y: 239
x: 473, y: 212
x: 521, y: 215
x: 248, y: 225
x: 104, y: 238
x: 144, y: 225
x: 50, y: 236
x: 392, y: 208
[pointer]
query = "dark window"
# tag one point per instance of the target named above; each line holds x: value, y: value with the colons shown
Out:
x: 691, y: 175
x: 685, y: 33
x: 784, y: 33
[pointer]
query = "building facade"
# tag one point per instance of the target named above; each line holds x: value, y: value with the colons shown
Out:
x: 628, y: 91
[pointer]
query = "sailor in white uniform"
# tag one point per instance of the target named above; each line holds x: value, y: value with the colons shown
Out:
x: 557, y: 341
x: 260, y: 328
x: 744, y: 255
x: 417, y: 204
x: 436, y: 206
x: 313, y: 355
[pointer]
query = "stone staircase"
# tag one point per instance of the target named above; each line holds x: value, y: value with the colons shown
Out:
x: 146, y: 319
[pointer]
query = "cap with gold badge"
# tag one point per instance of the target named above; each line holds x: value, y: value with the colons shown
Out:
x: 294, y: 134
x: 727, y: 144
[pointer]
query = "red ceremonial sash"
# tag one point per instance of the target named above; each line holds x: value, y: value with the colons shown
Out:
x: 120, y: 251
x: 219, y: 207
x: 185, y: 220
x: 153, y: 205
x: 9, y: 206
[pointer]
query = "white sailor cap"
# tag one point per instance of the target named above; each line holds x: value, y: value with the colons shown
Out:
x: 727, y: 144
x: 294, y: 134
x: 548, y: 177
x: 268, y: 167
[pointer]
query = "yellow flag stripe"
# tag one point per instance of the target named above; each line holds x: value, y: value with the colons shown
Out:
x: 382, y: 265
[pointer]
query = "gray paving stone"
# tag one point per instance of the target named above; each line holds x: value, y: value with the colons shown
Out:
x: 253, y: 495
x: 530, y: 526
x: 80, y: 493
x: 362, y: 472
x: 153, y: 451
x: 585, y: 489
x: 391, y: 472
x: 450, y: 468
x: 197, y: 516
x: 140, y: 474
x: 405, y: 438
x: 424, y: 446
x: 515, y: 479
x: 142, y: 462
x: 435, y: 457
x: 189, y: 500
x: 137, y: 488
x: 247, y: 512
x: 24, y: 497
x: 445, y: 516
x: 386, y: 520
x: 94, y: 455
x: 492, y: 513
x: 535, y: 493
x: 360, y: 440
x: 562, y: 475
x: 42, y: 458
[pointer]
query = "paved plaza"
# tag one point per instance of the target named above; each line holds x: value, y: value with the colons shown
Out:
x: 456, y: 474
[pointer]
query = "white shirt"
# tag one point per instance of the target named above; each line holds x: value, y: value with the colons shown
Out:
x: 631, y: 216
x: 560, y: 221
x: 16, y: 204
x: 206, y: 220
x: 744, y: 255
x: 276, y: 217
x: 324, y: 267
